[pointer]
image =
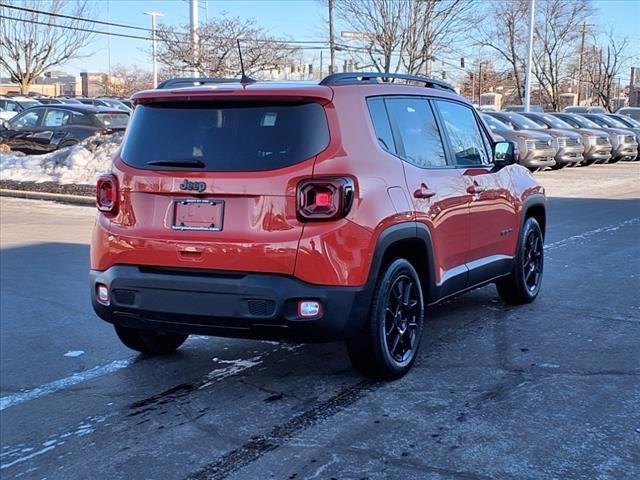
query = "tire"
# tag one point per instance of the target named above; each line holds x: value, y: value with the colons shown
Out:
x: 148, y: 341
x: 615, y: 160
x: 522, y: 285
x: 559, y: 166
x: 586, y: 163
x: 388, y: 346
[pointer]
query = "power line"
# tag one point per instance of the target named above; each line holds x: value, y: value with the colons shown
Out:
x: 72, y: 17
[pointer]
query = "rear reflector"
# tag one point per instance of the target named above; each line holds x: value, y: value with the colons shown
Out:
x: 102, y: 294
x: 309, y: 309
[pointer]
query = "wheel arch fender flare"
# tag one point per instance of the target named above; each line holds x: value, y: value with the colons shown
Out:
x: 537, y: 202
x: 397, y: 234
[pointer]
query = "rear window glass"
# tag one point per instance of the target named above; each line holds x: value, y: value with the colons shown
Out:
x: 225, y: 137
x: 113, y: 119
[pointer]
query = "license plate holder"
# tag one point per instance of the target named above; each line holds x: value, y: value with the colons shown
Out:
x: 195, y: 214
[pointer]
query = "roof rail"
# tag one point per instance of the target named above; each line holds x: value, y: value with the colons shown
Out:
x: 352, y: 78
x: 194, y: 81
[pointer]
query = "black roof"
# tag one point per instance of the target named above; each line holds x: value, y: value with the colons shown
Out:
x: 79, y: 108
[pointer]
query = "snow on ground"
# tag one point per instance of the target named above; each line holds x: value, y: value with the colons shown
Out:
x: 80, y: 164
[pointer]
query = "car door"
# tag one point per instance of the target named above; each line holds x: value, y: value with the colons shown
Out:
x: 436, y: 187
x: 52, y: 130
x: 23, y: 127
x: 493, y: 218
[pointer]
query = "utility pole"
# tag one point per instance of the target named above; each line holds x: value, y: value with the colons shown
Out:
x: 154, y: 47
x: 332, y: 45
x: 320, y: 64
x: 527, y: 80
x: 193, y: 10
x: 479, y: 82
x: 580, y: 61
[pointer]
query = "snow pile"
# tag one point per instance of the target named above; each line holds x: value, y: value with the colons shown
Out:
x: 80, y: 164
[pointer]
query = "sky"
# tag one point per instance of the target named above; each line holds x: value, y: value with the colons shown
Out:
x: 295, y: 19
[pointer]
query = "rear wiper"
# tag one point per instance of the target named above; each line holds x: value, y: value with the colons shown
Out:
x: 185, y: 163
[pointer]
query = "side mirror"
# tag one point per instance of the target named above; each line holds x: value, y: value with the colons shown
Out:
x: 504, y: 153
x: 5, y: 125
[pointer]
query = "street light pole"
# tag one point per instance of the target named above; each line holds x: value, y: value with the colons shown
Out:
x: 332, y: 46
x: 527, y: 81
x: 193, y: 10
x: 154, y: 48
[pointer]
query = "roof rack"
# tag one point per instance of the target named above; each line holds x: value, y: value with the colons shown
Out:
x: 194, y: 81
x: 352, y: 78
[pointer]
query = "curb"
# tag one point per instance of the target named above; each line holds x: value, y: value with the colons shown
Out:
x: 53, y: 197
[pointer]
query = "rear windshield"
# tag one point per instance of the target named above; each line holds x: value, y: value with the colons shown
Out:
x: 225, y: 137
x: 113, y: 120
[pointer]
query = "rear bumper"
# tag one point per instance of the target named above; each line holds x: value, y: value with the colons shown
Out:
x: 227, y: 304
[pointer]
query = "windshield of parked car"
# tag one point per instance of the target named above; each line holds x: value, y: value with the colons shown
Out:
x: 28, y: 103
x: 113, y: 120
x: 523, y: 122
x: 226, y: 136
x: 630, y: 122
x: 612, y: 122
x: 495, y: 124
x: 583, y: 122
x: 555, y: 122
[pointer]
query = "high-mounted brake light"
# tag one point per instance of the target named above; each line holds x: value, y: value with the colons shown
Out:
x: 107, y: 193
x: 324, y: 198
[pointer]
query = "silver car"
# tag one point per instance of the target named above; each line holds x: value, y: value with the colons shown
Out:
x: 537, y: 150
x: 626, y: 137
x: 569, y: 144
x: 597, y: 146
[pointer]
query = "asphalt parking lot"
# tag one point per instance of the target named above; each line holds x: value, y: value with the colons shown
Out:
x: 549, y: 390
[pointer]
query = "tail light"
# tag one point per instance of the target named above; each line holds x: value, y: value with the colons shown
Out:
x: 107, y: 194
x: 324, y: 198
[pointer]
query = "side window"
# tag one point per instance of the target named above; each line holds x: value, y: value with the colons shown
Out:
x: 27, y: 119
x: 464, y: 134
x: 380, y: 119
x: 418, y: 131
x: 56, y: 118
x: 11, y: 106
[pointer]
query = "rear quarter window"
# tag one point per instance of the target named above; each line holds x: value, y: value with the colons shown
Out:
x: 226, y: 137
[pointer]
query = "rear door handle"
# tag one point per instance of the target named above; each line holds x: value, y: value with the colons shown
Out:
x: 423, y: 192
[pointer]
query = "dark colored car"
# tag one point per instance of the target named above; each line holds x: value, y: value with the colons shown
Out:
x: 633, y: 112
x: 46, y: 128
x: 537, y: 150
x: 627, y: 137
x: 50, y: 101
x: 520, y: 108
x: 314, y: 212
x: 597, y: 147
x: 569, y: 148
x: 577, y: 109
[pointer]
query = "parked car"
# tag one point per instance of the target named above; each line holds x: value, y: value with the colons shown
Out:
x: 96, y: 102
x: 579, y: 121
x: 537, y: 150
x: 116, y: 103
x: 628, y: 137
x: 520, y: 108
x: 633, y: 112
x: 597, y: 147
x: 70, y: 101
x: 627, y: 121
x: 577, y: 109
x: 309, y: 211
x: 46, y: 128
x: 568, y: 144
x: 50, y: 101
x: 11, y: 106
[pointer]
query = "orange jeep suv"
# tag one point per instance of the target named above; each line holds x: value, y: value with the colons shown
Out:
x: 336, y: 210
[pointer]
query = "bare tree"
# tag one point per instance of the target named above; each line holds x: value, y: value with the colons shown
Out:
x: 603, y: 64
x: 218, y: 51
x: 126, y: 80
x: 557, y: 35
x: 507, y: 38
x: 32, y: 43
x: 407, y: 34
